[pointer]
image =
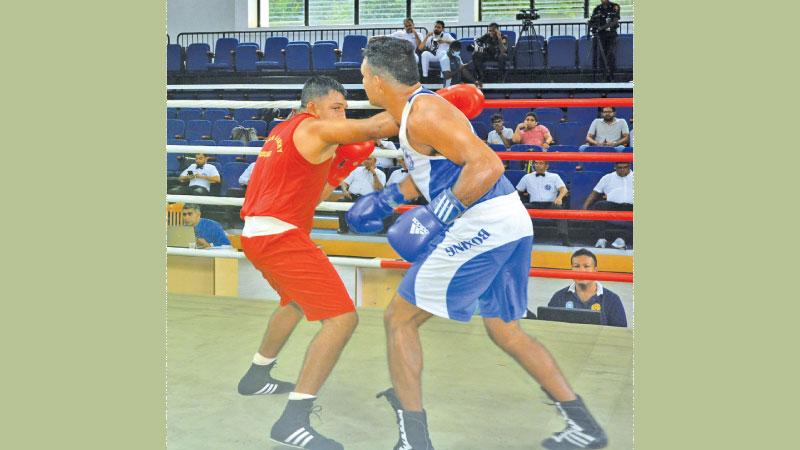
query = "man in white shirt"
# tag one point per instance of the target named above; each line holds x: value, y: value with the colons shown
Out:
x: 200, y: 175
x: 500, y: 134
x: 364, y: 180
x: 410, y: 34
x: 244, y: 178
x: 435, y: 47
x: 385, y: 144
x: 617, y: 187
x: 399, y: 174
x: 545, y: 190
x: 608, y: 131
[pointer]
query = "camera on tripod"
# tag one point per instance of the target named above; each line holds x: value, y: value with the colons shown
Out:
x: 528, y: 15
x: 598, y: 23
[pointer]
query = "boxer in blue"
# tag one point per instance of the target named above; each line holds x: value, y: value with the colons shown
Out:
x: 470, y: 246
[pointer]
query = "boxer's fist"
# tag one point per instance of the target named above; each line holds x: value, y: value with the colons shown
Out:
x: 420, y: 229
x: 367, y: 213
x: 348, y: 157
x: 466, y: 97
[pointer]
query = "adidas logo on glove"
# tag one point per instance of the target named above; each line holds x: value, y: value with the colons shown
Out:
x: 417, y: 227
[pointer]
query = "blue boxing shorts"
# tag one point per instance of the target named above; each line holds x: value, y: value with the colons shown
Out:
x: 483, y: 260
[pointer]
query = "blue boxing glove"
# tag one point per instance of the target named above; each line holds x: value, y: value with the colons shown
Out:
x: 417, y: 230
x: 367, y: 213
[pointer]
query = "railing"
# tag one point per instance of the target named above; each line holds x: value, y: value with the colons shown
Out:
x: 576, y: 29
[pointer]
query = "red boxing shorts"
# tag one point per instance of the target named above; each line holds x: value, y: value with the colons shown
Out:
x: 300, y: 272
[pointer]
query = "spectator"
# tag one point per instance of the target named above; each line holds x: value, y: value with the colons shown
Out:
x: 410, y: 34
x: 500, y: 135
x: 490, y: 47
x: 200, y: 175
x: 608, y: 131
x: 244, y: 178
x: 545, y: 190
x: 384, y: 144
x: 208, y: 232
x: 617, y: 187
x: 399, y: 174
x: 531, y: 132
x: 454, y: 71
x: 604, y: 23
x: 363, y: 180
x: 435, y: 47
x: 589, y: 294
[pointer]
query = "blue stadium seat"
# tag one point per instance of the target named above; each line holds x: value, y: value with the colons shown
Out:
x: 585, y: 53
x: 486, y: 116
x: 564, y: 169
x: 598, y: 149
x: 582, y: 115
x: 352, y: 47
x: 525, y: 148
x: 298, y: 57
x: 512, y: 37
x: 172, y: 113
x: 580, y: 186
x: 173, y: 165
x: 552, y: 115
x: 514, y: 176
x: 528, y: 53
x: 224, y: 159
x: 259, y: 125
x: 197, y: 129
x: 627, y: 150
x: 174, y: 58
x: 466, y: 55
x: 562, y: 52
x: 230, y: 176
x: 206, y: 142
x: 214, y: 114
x: 570, y: 133
x: 177, y: 142
x: 624, y: 55
x: 222, y: 129
x: 324, y: 56
x: 563, y: 148
x: 246, y: 58
x: 273, y: 124
x: 273, y: 53
x: 255, y: 144
x: 230, y: 143
x: 327, y: 41
x: 514, y: 116
x: 498, y: 147
x: 602, y: 167
x: 242, y: 114
x: 624, y: 112
x: 481, y: 129
x: 187, y: 114
x: 223, y: 59
x: 197, y: 57
x: 175, y: 127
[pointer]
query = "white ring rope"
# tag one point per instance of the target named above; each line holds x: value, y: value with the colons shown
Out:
x: 220, y: 150
x: 228, y: 253
x: 284, y: 87
x: 238, y: 201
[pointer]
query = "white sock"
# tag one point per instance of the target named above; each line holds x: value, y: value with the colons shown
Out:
x: 299, y: 396
x: 261, y: 360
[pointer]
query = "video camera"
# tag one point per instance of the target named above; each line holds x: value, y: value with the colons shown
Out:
x: 599, y: 23
x: 528, y: 15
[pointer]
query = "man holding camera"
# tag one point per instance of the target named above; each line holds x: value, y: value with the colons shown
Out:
x: 492, y: 46
x: 604, y: 23
x: 435, y: 47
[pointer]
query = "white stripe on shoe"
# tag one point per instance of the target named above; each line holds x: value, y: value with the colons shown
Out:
x: 266, y: 388
x: 295, y: 434
x: 310, y: 437
x: 300, y: 437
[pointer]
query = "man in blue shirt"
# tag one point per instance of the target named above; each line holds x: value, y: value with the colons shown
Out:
x: 589, y: 294
x: 208, y: 232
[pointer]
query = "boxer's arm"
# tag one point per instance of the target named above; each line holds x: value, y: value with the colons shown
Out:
x: 451, y: 137
x: 348, y: 131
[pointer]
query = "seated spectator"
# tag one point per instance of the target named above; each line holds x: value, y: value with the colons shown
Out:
x: 399, y: 174
x: 434, y: 47
x: 244, y: 178
x: 492, y: 46
x: 545, y: 190
x: 589, y: 294
x: 454, y: 71
x: 363, y: 180
x: 410, y: 34
x: 199, y: 176
x: 384, y: 144
x: 608, y: 131
x: 531, y: 132
x: 209, y: 233
x: 500, y: 135
x: 617, y: 187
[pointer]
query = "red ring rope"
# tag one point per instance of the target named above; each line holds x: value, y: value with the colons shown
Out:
x: 557, y: 102
x: 566, y: 156
x: 543, y: 273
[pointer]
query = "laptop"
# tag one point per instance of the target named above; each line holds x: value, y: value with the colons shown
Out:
x: 570, y: 315
x: 181, y: 236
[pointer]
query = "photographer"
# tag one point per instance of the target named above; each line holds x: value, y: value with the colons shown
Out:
x: 603, y: 24
x: 454, y: 71
x: 435, y: 47
x: 492, y: 46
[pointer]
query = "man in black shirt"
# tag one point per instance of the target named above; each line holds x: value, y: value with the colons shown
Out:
x: 490, y: 47
x: 604, y: 23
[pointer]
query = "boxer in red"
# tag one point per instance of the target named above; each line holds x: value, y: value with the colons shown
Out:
x: 302, y: 160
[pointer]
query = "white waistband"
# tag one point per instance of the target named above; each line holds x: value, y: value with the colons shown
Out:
x: 264, y: 226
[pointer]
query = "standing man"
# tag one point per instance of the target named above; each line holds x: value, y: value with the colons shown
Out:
x: 545, y: 190
x: 410, y: 34
x: 617, y: 187
x: 287, y: 183
x: 604, y: 23
x: 471, y: 245
x: 435, y: 47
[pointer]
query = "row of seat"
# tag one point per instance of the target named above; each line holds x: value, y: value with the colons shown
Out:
x: 558, y: 53
x: 217, y: 131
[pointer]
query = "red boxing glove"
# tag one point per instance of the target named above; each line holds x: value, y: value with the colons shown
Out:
x: 466, y: 97
x: 348, y: 157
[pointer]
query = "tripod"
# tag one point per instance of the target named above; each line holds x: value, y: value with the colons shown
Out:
x: 608, y: 74
x: 530, y: 31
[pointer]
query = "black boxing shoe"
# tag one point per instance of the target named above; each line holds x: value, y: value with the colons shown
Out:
x: 582, y: 430
x: 413, y: 425
x: 294, y: 430
x: 258, y: 381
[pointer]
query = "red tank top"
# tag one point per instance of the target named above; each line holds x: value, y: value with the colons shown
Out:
x: 283, y: 184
